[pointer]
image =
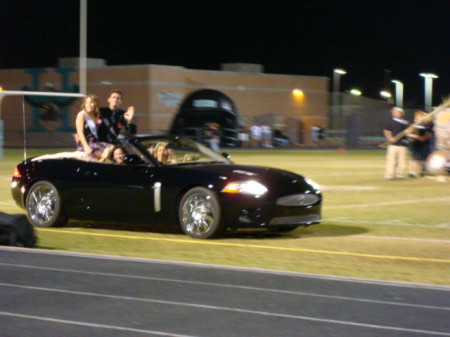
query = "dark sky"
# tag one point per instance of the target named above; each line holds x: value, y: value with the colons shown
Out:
x: 302, y: 37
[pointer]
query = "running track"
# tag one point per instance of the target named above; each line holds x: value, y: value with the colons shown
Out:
x: 54, y: 294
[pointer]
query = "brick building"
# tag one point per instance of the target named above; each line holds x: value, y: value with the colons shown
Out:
x: 291, y: 102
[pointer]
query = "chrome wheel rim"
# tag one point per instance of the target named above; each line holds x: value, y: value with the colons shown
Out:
x: 198, y: 213
x: 42, y: 205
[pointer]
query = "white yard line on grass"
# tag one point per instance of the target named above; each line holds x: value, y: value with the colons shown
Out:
x: 389, y: 203
x: 362, y: 236
x: 386, y: 223
x: 336, y: 174
x: 348, y: 188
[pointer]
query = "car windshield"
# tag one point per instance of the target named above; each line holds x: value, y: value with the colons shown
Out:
x: 180, y: 151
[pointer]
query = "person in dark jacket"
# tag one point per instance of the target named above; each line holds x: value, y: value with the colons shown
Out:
x: 420, y: 146
x: 115, y: 121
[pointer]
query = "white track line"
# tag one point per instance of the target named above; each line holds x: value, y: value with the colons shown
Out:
x: 93, y: 325
x: 228, y: 309
x: 230, y: 286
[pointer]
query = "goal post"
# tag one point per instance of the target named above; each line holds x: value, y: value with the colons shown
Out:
x: 4, y: 93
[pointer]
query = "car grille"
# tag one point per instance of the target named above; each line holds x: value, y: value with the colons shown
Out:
x: 296, y: 220
x: 304, y: 199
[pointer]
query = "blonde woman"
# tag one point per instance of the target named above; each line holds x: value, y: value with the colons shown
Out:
x: 87, y: 122
x: 160, y: 152
x: 163, y: 154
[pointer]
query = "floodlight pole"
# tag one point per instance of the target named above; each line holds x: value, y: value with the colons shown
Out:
x: 2, y: 139
x: 83, y: 46
x: 398, y: 93
x: 428, y: 89
x: 336, y: 113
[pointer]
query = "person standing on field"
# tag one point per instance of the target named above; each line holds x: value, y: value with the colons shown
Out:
x: 420, y: 146
x: 255, y: 135
x: 397, y: 152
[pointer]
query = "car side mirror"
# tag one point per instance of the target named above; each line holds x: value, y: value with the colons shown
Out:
x: 132, y: 159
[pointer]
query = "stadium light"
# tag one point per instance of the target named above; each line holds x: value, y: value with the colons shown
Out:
x: 429, y: 77
x: 385, y: 94
x: 340, y: 71
x: 398, y: 93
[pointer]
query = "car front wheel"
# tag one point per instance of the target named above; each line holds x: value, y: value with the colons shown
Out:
x: 43, y: 205
x: 199, y: 213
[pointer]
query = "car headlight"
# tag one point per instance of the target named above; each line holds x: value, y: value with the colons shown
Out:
x: 246, y: 187
x: 313, y: 184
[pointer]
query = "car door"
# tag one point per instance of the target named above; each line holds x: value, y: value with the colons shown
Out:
x: 119, y: 192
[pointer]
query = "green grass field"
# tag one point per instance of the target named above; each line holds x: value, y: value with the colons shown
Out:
x: 372, y: 228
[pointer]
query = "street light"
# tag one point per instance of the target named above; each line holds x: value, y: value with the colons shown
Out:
x: 336, y: 116
x: 428, y: 89
x: 398, y: 93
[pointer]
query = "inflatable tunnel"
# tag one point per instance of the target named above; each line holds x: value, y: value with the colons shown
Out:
x: 201, y: 109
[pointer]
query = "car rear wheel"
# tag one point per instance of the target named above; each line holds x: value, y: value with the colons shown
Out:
x: 199, y: 213
x: 43, y: 205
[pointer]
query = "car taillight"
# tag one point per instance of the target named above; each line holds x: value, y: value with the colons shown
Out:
x: 16, y: 173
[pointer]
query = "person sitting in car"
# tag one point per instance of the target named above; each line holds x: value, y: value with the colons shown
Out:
x: 113, y: 154
x: 87, y: 122
x: 118, y: 155
x: 163, y: 154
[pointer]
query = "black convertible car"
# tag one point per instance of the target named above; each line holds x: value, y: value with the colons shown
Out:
x: 164, y: 180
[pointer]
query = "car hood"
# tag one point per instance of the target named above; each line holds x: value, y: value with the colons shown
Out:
x: 288, y: 181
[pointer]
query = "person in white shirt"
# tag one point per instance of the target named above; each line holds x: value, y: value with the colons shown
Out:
x: 266, y: 134
x: 255, y: 135
x: 397, y: 152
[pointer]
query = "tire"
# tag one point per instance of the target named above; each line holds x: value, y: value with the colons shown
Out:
x: 199, y: 214
x: 43, y: 205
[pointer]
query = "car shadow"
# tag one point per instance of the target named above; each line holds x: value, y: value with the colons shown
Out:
x: 129, y: 227
x: 314, y: 231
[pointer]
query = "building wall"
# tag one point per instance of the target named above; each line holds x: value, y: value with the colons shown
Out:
x: 156, y: 91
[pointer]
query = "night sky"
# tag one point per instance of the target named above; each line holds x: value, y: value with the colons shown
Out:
x: 375, y: 41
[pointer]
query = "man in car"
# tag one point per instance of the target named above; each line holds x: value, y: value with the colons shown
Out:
x: 115, y: 121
